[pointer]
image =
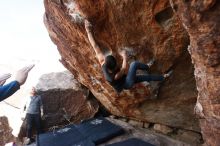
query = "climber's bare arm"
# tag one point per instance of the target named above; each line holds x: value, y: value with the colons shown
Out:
x: 123, y: 54
x: 124, y: 65
x: 100, y: 56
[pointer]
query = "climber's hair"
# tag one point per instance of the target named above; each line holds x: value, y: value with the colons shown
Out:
x: 110, y: 62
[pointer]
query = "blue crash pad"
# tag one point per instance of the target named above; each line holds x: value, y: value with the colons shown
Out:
x: 67, y: 136
x: 99, y: 130
x: 131, y: 142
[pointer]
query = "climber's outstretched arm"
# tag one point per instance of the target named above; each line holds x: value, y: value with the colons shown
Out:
x: 92, y: 41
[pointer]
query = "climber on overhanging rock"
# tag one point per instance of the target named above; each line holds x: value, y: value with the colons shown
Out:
x: 116, y: 76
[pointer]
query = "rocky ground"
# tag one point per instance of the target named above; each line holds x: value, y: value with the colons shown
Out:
x: 159, y: 135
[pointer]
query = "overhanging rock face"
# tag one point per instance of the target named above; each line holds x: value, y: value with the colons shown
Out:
x: 146, y: 29
x: 202, y: 21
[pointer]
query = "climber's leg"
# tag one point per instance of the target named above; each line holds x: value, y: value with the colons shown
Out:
x: 148, y: 78
x: 142, y: 78
x: 131, y: 76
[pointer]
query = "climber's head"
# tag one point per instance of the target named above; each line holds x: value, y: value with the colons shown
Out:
x: 110, y: 62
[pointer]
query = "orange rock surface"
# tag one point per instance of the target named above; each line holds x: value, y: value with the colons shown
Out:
x: 146, y: 29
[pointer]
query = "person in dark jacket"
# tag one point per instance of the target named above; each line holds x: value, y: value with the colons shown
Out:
x: 10, y: 88
x: 34, y: 112
x: 116, y: 76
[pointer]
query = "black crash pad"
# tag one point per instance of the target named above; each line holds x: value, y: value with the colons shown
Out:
x: 99, y: 130
x: 67, y: 136
x: 131, y: 142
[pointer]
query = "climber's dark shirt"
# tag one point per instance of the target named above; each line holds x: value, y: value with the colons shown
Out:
x: 116, y: 84
x: 8, y: 89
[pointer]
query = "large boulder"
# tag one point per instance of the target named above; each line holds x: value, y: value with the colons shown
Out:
x: 146, y: 29
x: 64, y: 100
x: 201, y: 19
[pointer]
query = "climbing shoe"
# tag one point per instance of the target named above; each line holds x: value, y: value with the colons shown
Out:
x: 151, y: 62
x: 166, y: 75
